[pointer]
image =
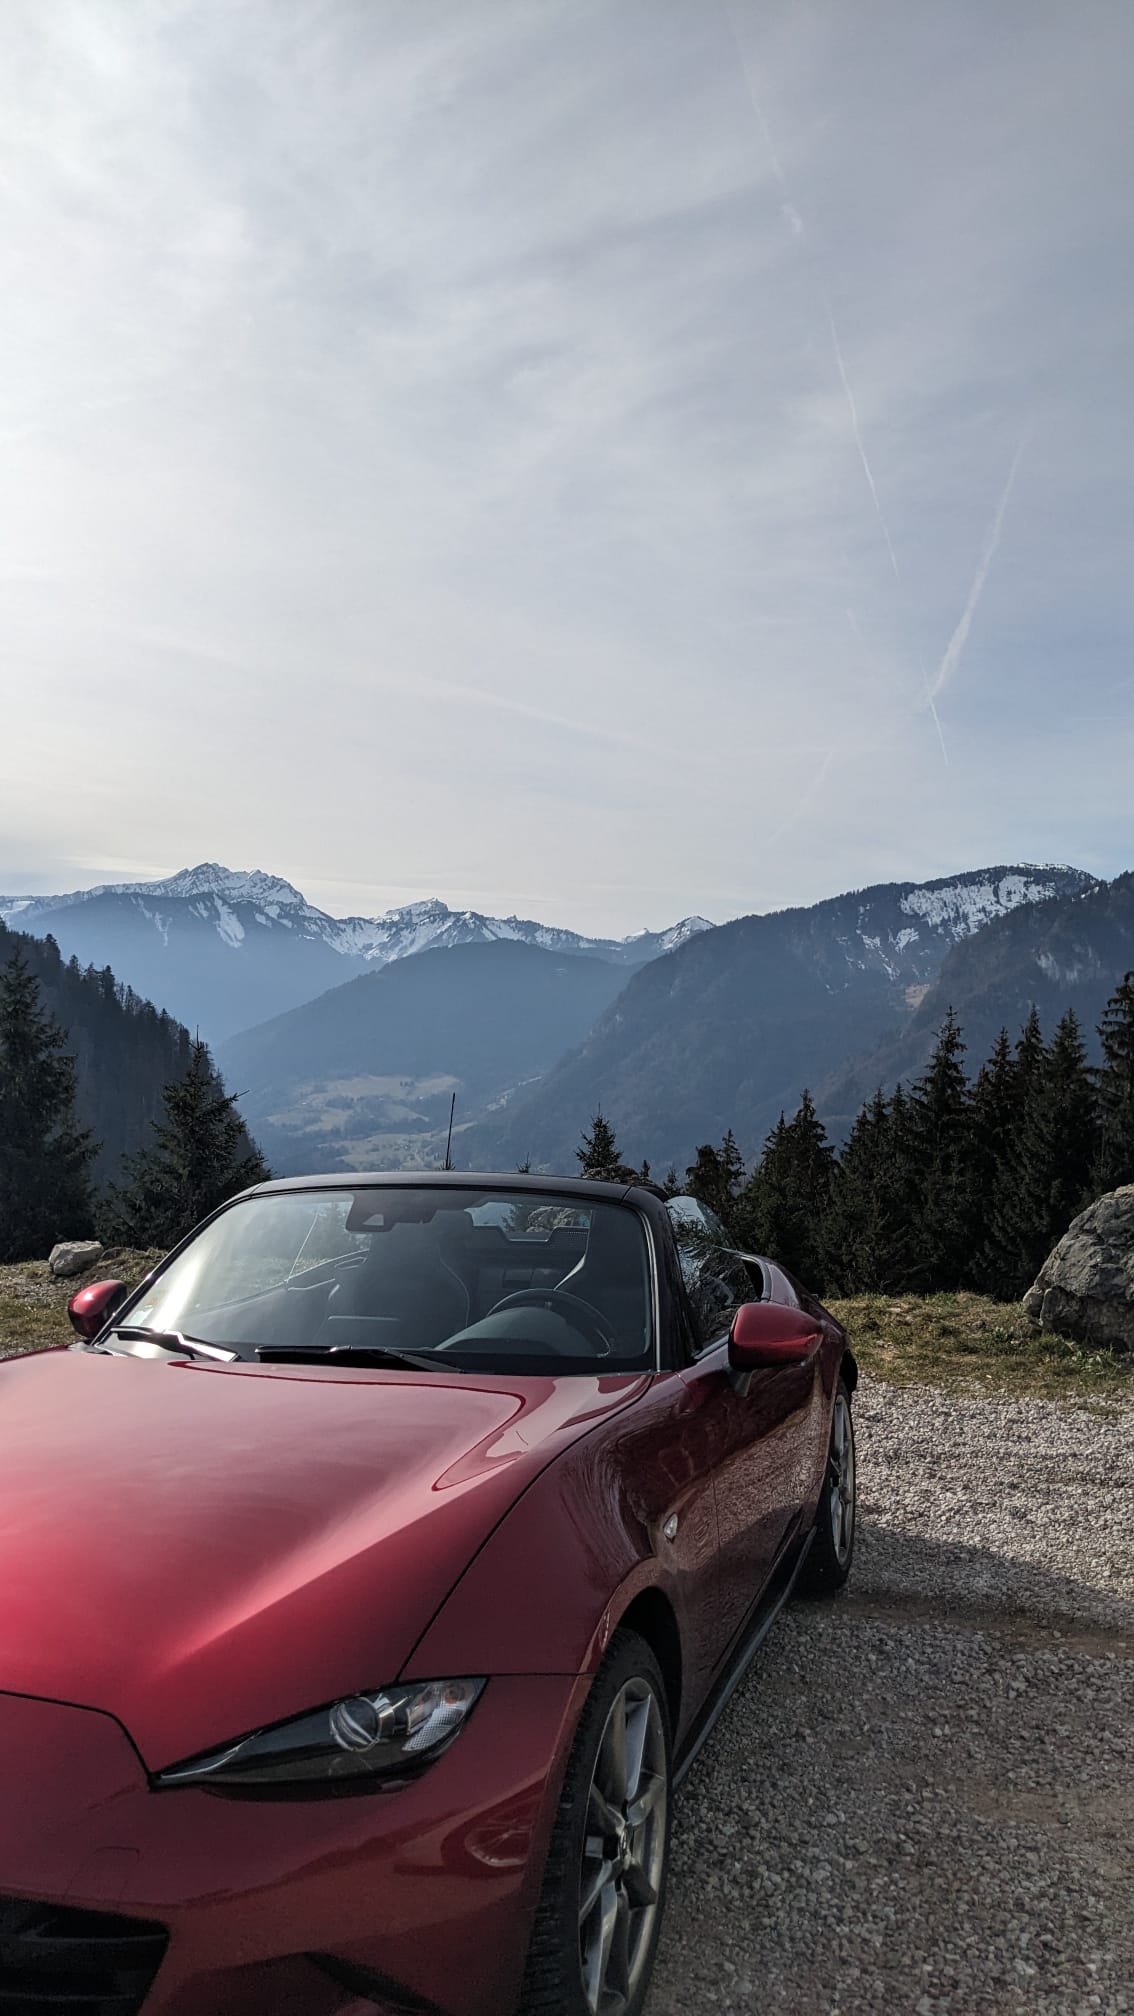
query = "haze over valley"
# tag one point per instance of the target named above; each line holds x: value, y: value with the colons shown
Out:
x: 676, y: 1035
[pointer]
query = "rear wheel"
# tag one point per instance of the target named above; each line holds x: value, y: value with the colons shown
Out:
x: 831, y: 1551
x: 599, y: 1914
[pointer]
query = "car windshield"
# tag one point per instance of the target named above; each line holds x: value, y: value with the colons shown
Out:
x: 483, y: 1280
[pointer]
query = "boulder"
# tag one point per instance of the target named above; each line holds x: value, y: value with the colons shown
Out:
x: 74, y: 1256
x: 1085, y: 1288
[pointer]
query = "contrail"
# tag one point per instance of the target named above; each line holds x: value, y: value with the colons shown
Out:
x: 795, y: 815
x: 960, y: 637
x: 798, y: 228
x: 856, y: 430
x: 757, y: 107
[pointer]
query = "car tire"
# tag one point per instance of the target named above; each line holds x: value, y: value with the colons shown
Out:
x: 600, y: 1909
x: 831, y: 1552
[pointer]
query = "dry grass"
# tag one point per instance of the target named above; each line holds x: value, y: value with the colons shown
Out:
x: 959, y: 1341
x: 33, y: 1304
x: 968, y: 1341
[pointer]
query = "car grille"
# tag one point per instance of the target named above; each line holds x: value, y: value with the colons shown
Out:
x: 89, y: 1963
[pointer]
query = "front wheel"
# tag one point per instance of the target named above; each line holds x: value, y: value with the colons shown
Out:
x: 831, y: 1551
x: 599, y: 1914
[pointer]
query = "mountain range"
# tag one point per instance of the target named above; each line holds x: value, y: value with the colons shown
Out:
x: 224, y: 949
x: 728, y: 1030
x: 676, y: 1036
x: 1069, y: 953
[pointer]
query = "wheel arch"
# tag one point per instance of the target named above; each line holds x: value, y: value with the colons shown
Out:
x: 849, y: 1369
x: 651, y: 1614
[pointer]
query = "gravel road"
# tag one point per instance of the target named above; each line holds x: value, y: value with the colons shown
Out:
x: 922, y: 1798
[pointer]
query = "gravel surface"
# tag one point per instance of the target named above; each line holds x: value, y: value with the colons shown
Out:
x: 922, y: 1798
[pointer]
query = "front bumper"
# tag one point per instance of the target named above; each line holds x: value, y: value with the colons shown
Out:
x: 415, y: 1899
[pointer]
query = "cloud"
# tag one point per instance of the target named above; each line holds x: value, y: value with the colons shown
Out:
x: 453, y: 408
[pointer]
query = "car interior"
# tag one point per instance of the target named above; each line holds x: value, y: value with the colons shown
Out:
x: 450, y: 1284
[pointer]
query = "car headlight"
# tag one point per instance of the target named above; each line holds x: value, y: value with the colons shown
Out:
x: 386, y: 1734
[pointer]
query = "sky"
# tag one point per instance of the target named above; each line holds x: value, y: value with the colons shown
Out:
x: 595, y: 459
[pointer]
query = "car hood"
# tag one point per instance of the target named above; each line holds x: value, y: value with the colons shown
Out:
x: 199, y: 1550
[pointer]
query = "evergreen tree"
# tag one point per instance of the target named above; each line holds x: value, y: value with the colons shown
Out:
x: 1031, y: 1058
x: 598, y: 1156
x: 45, y: 1157
x: 869, y: 1246
x: 716, y: 1177
x: 1047, y: 1170
x: 1114, y: 1085
x: 944, y: 1198
x: 785, y: 1208
x: 201, y: 1155
x: 996, y: 1115
x: 670, y: 1183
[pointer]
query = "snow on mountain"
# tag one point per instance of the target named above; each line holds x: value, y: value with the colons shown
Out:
x: 962, y: 907
x: 224, y: 896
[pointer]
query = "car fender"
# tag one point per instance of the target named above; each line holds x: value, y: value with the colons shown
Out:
x: 545, y: 1592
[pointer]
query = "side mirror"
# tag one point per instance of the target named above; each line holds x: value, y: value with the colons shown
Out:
x: 90, y: 1308
x: 769, y: 1333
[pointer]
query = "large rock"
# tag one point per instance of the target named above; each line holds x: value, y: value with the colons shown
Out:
x: 1085, y: 1288
x: 74, y: 1256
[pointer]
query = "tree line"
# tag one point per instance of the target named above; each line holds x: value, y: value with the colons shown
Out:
x: 948, y: 1183
x: 199, y: 1151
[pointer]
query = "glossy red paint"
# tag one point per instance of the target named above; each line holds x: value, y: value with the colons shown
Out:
x: 431, y: 1885
x: 203, y: 1549
x: 189, y: 1551
x: 768, y: 1333
x: 90, y: 1307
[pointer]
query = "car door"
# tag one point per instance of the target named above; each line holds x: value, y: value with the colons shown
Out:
x: 762, y: 1429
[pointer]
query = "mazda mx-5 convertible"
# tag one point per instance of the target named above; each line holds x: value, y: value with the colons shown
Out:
x: 369, y: 1577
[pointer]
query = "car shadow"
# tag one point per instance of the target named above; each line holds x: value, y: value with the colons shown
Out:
x: 920, y: 1799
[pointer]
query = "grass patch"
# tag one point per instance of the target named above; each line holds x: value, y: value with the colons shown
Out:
x: 972, y: 1342
x: 33, y: 1304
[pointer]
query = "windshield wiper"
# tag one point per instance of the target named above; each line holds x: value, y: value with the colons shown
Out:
x: 172, y: 1341
x: 358, y: 1354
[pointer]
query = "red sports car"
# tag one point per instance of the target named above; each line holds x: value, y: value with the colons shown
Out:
x: 370, y: 1576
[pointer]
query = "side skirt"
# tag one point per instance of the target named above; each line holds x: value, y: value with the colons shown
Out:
x: 771, y: 1603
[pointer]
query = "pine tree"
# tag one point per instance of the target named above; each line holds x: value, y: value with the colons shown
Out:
x: 944, y: 1197
x: 598, y: 1155
x: 716, y: 1177
x: 1114, y: 1086
x: 1048, y: 1164
x: 996, y: 1115
x: 45, y: 1157
x: 201, y: 1156
x: 870, y: 1233
x: 785, y: 1208
x: 1061, y: 1134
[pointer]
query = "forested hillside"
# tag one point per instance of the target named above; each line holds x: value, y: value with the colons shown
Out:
x: 1066, y: 953
x: 724, y: 1031
x: 125, y: 1050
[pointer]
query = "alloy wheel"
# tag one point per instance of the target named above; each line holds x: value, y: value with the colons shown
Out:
x: 620, y: 1875
x: 841, y: 1480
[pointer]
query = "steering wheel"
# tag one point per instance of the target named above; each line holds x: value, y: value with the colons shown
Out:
x: 581, y: 1315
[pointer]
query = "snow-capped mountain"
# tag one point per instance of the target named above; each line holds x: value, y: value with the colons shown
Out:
x: 173, y: 940
x: 731, y: 1027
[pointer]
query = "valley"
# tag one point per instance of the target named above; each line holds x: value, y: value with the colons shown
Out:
x: 377, y: 1025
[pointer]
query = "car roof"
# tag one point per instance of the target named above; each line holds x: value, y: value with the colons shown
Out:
x: 455, y: 1179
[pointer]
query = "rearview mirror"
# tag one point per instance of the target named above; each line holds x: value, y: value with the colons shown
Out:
x: 769, y: 1333
x: 90, y: 1308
